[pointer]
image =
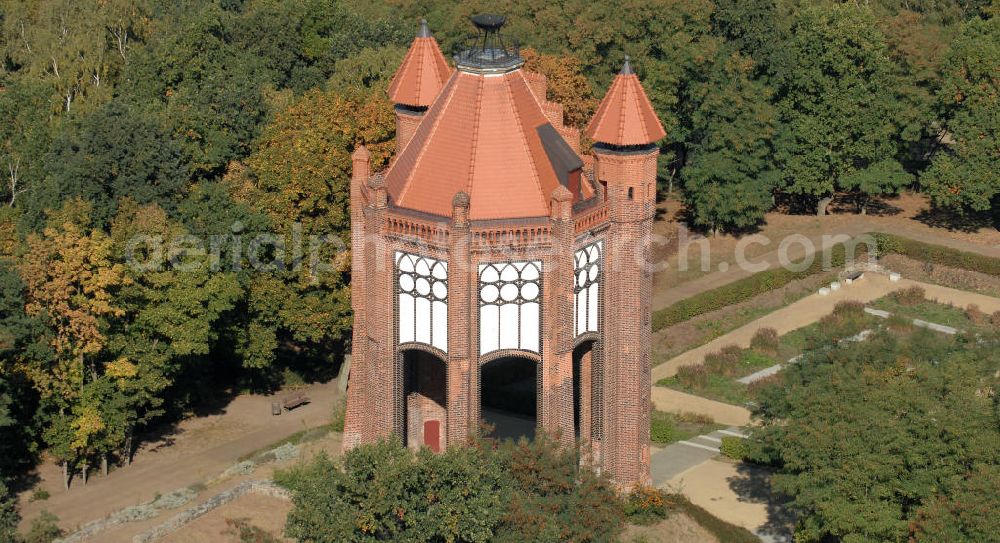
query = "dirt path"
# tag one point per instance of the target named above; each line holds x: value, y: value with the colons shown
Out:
x: 199, y: 449
x: 738, y: 494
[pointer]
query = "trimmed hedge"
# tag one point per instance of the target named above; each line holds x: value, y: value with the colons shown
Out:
x: 937, y: 254
x: 760, y: 283
x: 743, y: 289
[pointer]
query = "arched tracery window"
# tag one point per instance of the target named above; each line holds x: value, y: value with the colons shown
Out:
x: 587, y: 288
x: 510, y: 295
x: 422, y: 285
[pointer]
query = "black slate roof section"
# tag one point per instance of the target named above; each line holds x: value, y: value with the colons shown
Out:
x: 560, y: 154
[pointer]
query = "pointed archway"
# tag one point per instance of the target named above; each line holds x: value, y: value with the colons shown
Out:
x: 425, y: 399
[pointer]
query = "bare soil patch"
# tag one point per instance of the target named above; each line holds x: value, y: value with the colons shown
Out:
x: 263, y: 512
x: 676, y: 528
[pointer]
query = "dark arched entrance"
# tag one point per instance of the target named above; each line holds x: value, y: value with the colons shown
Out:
x: 583, y: 390
x: 425, y: 399
x: 509, y: 397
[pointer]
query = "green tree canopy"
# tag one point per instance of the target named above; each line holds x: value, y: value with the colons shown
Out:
x: 833, y: 89
x: 964, y: 173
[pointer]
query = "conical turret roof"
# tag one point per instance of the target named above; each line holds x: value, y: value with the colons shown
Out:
x: 625, y: 116
x: 423, y: 73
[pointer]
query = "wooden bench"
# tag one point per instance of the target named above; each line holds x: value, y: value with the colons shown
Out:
x: 295, y: 400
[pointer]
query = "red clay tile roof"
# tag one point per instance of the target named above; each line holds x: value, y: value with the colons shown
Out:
x: 423, y: 72
x: 625, y: 116
x: 480, y: 136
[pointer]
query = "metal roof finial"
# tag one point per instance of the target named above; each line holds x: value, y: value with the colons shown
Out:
x: 425, y: 31
x: 627, y: 67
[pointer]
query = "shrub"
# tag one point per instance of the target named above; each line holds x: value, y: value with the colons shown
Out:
x: 40, y: 494
x: 725, y: 362
x: 937, y: 254
x: 662, y: 428
x: 766, y: 281
x: 995, y: 319
x: 850, y: 308
x: 645, y: 506
x: 736, y: 448
x: 695, y: 377
x: 44, y: 529
x: 525, y: 491
x: 754, y: 388
x: 900, y: 324
x: 339, y: 414
x: 248, y: 533
x: 765, y: 341
x: 695, y: 418
x: 909, y: 296
x: 975, y: 315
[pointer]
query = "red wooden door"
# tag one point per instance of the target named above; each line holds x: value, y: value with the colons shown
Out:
x: 432, y: 435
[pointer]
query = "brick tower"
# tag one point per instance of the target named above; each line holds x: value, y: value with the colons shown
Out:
x: 497, y: 275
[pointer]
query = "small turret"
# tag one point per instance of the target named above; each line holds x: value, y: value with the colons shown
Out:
x: 417, y: 83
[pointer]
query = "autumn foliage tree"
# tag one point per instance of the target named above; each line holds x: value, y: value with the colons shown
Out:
x: 298, y: 176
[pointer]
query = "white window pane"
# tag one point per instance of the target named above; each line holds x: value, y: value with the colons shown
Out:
x: 530, y: 327
x: 581, y: 312
x: 440, y: 326
x: 592, y: 310
x: 489, y: 329
x: 423, y: 321
x: 405, y: 318
x: 508, y: 326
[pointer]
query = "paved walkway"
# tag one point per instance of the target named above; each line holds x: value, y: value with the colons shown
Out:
x: 678, y: 457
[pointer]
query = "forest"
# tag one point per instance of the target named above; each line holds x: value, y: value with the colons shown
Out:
x: 226, y: 119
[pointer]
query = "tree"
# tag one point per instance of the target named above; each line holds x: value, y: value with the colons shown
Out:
x: 966, y: 511
x: 75, y: 48
x: 117, y: 151
x: 9, y: 517
x: 730, y: 178
x: 367, y: 69
x: 204, y: 89
x: 566, y: 85
x: 173, y: 311
x: 834, y: 95
x: 299, y: 176
x: 963, y: 175
x: 880, y: 439
x: 70, y: 280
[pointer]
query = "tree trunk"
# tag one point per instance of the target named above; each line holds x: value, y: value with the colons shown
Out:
x: 104, y: 464
x: 65, y: 467
x: 128, y: 448
x: 822, y: 205
x: 84, y: 471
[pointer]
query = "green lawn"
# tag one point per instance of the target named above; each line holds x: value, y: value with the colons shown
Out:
x: 927, y: 311
x: 666, y: 428
x: 718, y: 387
